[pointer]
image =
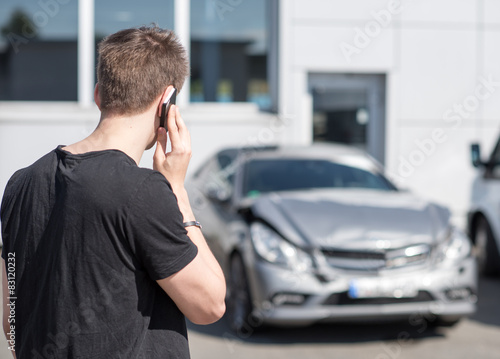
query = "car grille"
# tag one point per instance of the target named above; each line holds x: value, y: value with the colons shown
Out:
x: 378, y: 259
x: 344, y: 299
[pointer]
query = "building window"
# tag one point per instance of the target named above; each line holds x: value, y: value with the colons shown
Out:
x: 350, y: 109
x: 38, y: 50
x: 113, y: 16
x: 39, y: 46
x: 229, y: 51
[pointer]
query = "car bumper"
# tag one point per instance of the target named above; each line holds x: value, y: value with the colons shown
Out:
x: 282, y: 297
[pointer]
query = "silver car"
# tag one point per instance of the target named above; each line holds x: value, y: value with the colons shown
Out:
x: 315, y: 234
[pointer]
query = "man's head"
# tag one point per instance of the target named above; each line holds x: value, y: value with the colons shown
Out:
x: 135, y: 66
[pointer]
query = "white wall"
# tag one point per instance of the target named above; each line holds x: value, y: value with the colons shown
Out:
x: 435, y: 54
x: 30, y: 130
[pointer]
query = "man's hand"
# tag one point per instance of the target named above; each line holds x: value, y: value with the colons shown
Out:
x: 173, y: 165
x: 199, y: 289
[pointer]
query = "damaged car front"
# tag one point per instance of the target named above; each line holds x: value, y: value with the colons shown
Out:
x: 320, y: 235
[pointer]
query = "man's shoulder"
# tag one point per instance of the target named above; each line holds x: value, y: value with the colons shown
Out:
x: 148, y: 182
x: 153, y: 177
x: 43, y: 163
x: 30, y: 177
x: 43, y: 166
x: 127, y: 173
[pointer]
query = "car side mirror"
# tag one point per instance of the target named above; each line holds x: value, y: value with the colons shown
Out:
x: 218, y: 194
x: 475, y: 153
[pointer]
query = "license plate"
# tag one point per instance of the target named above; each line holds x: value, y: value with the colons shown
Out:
x: 382, y: 288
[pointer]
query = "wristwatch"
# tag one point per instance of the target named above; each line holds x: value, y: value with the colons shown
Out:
x: 192, y: 223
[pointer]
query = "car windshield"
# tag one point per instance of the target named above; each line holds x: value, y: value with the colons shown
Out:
x: 270, y: 175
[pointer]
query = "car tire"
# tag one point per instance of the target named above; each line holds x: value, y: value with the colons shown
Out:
x: 239, y: 306
x: 486, y: 250
x: 447, y: 321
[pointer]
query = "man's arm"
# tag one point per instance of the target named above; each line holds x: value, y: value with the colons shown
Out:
x: 199, y: 289
x: 5, y: 295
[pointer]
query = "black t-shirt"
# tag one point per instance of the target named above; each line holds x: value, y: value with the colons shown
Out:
x: 91, y: 234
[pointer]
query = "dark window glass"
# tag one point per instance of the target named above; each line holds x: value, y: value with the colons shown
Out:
x: 495, y: 156
x: 113, y: 16
x: 286, y: 175
x: 38, y: 50
x: 493, y: 165
x: 229, y: 51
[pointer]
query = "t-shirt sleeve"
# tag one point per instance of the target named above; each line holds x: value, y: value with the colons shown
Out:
x: 155, y: 230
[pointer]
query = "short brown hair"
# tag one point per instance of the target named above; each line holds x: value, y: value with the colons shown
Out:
x: 136, y: 65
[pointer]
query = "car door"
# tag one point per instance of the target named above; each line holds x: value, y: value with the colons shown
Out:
x: 211, y: 190
x: 486, y: 193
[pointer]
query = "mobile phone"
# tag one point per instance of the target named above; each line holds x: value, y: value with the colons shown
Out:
x: 170, y: 100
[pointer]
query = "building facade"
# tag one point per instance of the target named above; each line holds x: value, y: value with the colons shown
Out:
x: 413, y: 82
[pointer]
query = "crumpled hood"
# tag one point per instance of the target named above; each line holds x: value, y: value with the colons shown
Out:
x: 353, y: 218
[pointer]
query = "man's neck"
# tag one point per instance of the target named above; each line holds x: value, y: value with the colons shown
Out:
x: 129, y: 134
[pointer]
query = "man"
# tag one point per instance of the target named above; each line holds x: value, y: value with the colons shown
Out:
x: 103, y: 259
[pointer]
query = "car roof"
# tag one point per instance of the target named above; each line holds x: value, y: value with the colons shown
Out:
x: 344, y: 154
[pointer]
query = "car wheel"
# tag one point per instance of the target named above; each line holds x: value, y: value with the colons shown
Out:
x: 486, y: 249
x: 447, y: 321
x: 239, y: 307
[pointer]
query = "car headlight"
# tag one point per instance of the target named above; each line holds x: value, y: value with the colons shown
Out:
x: 273, y: 248
x: 456, y: 247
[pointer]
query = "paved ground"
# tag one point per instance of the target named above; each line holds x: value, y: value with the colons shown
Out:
x: 475, y: 338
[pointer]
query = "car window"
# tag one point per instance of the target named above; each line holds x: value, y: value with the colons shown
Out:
x: 493, y: 166
x: 217, y: 176
x: 225, y: 159
x: 227, y: 165
x: 296, y: 174
x: 495, y: 155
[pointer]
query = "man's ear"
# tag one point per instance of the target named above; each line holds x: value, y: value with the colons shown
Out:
x: 96, y: 96
x: 162, y: 99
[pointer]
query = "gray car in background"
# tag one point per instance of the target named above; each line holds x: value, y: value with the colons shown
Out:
x: 315, y: 234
